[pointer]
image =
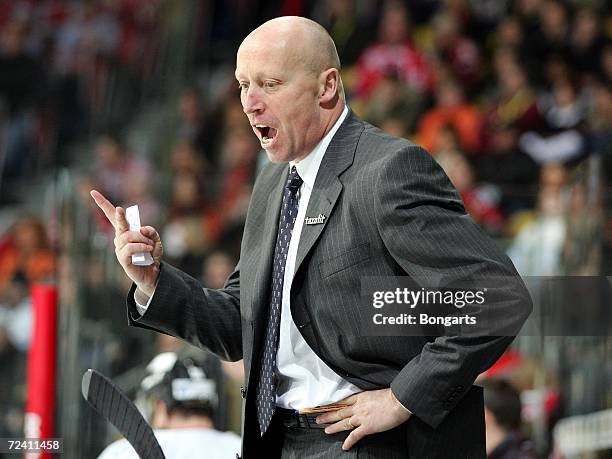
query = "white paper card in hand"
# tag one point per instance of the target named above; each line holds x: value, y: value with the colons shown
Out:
x: 133, y: 217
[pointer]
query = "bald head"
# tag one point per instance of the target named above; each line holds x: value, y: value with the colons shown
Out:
x: 290, y: 89
x: 301, y: 41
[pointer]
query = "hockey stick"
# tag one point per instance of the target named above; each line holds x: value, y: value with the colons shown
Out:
x: 116, y: 408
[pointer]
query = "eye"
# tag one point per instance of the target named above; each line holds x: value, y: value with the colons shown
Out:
x: 243, y: 86
x: 270, y: 84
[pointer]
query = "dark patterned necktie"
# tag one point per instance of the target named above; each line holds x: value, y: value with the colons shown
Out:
x: 266, y: 385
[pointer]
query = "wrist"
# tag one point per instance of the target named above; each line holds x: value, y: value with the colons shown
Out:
x: 400, y: 408
x: 146, y: 290
x: 141, y: 296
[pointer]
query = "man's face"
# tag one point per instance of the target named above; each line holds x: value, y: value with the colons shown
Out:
x: 279, y: 97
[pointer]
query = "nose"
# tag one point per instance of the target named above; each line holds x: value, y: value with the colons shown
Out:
x: 252, y: 100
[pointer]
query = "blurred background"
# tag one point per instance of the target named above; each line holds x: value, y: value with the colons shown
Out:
x: 137, y: 99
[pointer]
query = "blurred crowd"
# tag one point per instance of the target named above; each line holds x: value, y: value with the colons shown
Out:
x: 56, y: 58
x: 512, y: 97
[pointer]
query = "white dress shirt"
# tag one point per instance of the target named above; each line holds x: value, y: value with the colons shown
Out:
x: 305, y: 381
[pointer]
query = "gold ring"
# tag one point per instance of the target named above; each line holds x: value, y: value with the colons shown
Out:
x: 349, y: 424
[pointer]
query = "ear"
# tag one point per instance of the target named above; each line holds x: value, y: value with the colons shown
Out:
x: 329, y: 85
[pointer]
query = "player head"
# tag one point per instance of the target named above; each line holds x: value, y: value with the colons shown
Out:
x: 181, y: 391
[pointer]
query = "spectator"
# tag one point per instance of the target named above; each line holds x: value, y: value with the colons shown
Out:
x: 486, y: 15
x: 456, y: 50
x: 563, y: 112
x: 217, y: 267
x: 581, y: 252
x: 393, y: 99
x: 513, y: 101
x: 137, y: 20
x: 452, y: 110
x: 350, y: 31
x: 21, y: 77
x: 536, y: 250
x: 27, y: 252
x: 509, y: 33
x: 599, y: 118
x: 393, y: 53
x: 586, y: 43
x: 503, y: 422
x: 115, y: 168
x: 191, y: 127
x: 226, y: 218
x: 552, y: 35
x: 138, y: 191
x: 186, y: 235
x: 394, y: 126
x: 16, y: 313
x: 515, y: 172
x: 481, y: 201
x: 20, y: 73
x: 222, y: 120
x: 185, y: 159
x: 88, y: 32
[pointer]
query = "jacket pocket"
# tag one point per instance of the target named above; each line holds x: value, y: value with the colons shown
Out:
x: 345, y: 260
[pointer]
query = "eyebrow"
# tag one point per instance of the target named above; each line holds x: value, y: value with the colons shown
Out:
x: 260, y: 76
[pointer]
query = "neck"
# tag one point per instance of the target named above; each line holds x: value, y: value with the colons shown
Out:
x: 334, y: 114
x: 189, y: 422
x: 494, y: 436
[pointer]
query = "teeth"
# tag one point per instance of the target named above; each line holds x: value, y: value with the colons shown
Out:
x: 265, y: 138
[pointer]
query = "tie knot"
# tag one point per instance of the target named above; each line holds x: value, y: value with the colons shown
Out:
x: 295, y: 181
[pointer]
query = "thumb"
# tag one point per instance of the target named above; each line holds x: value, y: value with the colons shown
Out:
x: 121, y: 223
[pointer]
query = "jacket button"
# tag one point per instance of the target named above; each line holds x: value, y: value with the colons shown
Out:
x: 242, y: 392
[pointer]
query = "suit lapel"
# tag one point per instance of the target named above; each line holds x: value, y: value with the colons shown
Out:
x: 327, y: 187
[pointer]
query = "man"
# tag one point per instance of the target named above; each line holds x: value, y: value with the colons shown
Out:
x: 503, y: 422
x: 352, y: 202
x: 184, y: 399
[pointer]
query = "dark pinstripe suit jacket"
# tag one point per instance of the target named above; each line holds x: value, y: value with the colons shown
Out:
x: 390, y: 211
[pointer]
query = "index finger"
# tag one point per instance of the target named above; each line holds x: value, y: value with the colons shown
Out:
x: 334, y: 416
x: 115, y: 215
x: 105, y: 205
x: 350, y: 400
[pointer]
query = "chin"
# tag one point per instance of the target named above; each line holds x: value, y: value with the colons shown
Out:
x: 278, y: 157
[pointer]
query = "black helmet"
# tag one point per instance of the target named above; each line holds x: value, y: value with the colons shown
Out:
x: 182, y: 383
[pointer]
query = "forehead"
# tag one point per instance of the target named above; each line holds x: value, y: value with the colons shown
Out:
x: 258, y: 56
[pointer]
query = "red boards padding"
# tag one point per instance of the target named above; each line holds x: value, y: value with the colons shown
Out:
x: 41, y: 365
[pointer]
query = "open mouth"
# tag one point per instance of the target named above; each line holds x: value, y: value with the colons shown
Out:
x: 266, y: 133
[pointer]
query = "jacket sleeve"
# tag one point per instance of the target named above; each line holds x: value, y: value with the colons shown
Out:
x: 204, y: 317
x: 425, y: 228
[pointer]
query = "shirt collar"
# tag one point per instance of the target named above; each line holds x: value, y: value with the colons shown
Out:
x: 309, y: 166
